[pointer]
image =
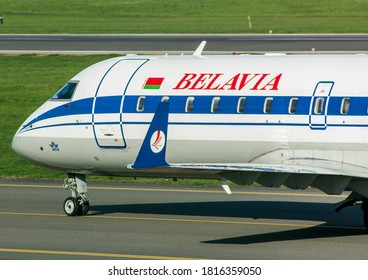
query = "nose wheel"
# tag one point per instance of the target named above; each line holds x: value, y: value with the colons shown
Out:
x: 77, y: 204
x: 83, y: 208
x: 71, y: 207
x: 75, y: 207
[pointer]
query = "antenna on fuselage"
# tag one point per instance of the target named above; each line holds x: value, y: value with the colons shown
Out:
x: 199, y: 50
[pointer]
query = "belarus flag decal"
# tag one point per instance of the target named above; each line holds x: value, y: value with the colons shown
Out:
x: 153, y: 83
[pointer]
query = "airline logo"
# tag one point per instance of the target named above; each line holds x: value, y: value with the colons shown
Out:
x: 153, y: 83
x: 157, y: 141
x: 220, y: 81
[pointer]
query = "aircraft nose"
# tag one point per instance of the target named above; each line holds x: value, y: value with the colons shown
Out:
x: 19, y: 146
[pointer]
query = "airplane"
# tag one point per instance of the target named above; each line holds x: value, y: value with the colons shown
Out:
x: 276, y: 119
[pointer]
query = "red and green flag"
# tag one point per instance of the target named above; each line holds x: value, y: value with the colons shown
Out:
x: 153, y: 83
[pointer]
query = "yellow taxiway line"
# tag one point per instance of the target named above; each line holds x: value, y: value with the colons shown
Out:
x: 182, y: 220
x: 91, y: 254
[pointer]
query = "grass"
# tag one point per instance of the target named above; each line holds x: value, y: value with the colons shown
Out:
x: 190, y: 16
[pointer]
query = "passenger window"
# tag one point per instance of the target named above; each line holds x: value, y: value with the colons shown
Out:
x: 345, y: 106
x: 268, y: 105
x: 292, y: 105
x: 241, y: 105
x: 318, y: 106
x: 189, y: 104
x: 165, y: 99
x: 140, y: 103
x: 215, y: 104
x: 66, y: 92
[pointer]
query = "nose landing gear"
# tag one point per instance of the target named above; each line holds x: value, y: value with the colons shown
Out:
x: 77, y: 204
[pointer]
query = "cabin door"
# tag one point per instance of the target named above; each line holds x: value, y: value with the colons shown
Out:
x: 107, y: 103
x: 319, y: 105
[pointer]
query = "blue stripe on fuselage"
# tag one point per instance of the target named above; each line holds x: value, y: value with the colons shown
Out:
x: 108, y: 105
x: 202, y: 105
x: 78, y: 107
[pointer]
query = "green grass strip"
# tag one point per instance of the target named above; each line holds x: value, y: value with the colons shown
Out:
x: 177, y: 16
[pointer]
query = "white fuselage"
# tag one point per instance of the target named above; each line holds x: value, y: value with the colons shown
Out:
x: 277, y: 110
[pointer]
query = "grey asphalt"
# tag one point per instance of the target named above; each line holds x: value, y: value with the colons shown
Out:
x: 184, y: 43
x: 135, y: 221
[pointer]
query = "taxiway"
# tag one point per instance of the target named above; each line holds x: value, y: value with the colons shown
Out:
x: 134, y: 221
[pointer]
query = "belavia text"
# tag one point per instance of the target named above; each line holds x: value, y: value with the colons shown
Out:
x: 220, y: 81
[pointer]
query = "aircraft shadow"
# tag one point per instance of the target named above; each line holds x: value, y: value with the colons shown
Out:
x: 346, y: 223
x: 315, y: 232
x: 237, y: 209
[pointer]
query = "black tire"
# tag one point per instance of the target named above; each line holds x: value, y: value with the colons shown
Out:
x: 71, y: 206
x: 83, y: 209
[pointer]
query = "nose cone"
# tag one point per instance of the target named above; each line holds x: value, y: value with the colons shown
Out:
x: 27, y: 147
x: 17, y: 146
x: 24, y: 146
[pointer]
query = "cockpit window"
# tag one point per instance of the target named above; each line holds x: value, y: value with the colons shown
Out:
x: 66, y: 92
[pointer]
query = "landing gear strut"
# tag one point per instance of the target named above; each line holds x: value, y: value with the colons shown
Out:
x: 77, y: 204
x: 355, y: 199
